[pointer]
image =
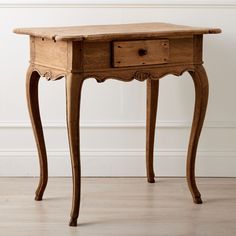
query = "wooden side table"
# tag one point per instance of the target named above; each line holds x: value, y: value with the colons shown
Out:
x: 146, y: 51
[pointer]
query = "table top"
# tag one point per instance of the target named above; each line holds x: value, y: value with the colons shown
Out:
x: 110, y: 32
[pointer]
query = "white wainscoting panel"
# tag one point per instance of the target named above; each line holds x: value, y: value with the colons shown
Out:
x: 113, y: 113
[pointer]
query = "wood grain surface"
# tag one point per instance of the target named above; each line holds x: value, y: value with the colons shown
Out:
x: 108, y: 32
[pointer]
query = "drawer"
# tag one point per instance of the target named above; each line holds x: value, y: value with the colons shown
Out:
x: 140, y: 52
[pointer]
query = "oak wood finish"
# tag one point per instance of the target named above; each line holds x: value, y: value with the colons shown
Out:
x: 109, y: 32
x: 79, y: 53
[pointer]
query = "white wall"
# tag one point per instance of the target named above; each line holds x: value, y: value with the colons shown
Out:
x: 113, y: 130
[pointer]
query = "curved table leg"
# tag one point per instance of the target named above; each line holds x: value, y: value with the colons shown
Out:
x: 73, y: 95
x: 152, y: 100
x: 201, y: 97
x: 32, y: 80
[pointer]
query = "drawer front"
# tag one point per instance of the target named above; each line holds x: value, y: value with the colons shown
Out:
x: 140, y: 52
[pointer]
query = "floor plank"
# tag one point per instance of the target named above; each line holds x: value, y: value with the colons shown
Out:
x: 119, y: 206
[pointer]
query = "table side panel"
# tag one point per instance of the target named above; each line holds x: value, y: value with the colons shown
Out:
x: 48, y: 53
x: 181, y: 50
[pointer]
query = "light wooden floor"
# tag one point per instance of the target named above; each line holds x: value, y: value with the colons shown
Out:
x: 119, y: 206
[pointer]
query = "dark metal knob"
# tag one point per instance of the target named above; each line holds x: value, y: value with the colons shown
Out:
x: 142, y: 52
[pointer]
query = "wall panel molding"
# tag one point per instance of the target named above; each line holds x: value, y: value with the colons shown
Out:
x: 111, y: 163
x: 125, y: 124
x: 117, y: 3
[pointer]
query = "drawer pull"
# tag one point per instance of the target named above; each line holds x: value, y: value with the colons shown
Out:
x: 142, y: 52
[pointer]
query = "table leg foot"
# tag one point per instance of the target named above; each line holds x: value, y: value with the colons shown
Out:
x: 197, y: 200
x: 152, y: 100
x: 73, y: 222
x: 32, y: 80
x: 151, y: 180
x: 201, y: 97
x: 38, y: 198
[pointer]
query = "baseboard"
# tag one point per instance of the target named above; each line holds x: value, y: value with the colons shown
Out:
x: 119, y: 163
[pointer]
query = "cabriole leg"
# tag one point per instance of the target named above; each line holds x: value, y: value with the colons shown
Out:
x: 152, y: 101
x: 73, y: 95
x: 201, y: 97
x: 32, y: 80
